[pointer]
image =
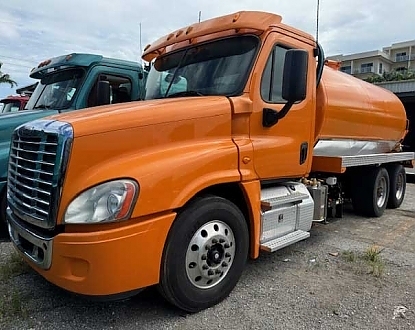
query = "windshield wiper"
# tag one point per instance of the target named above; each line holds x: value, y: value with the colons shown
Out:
x: 186, y: 93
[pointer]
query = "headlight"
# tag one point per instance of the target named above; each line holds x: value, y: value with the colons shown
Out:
x: 110, y: 201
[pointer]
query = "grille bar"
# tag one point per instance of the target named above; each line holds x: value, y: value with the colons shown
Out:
x: 30, y: 198
x: 31, y: 161
x: 32, y: 142
x: 28, y: 169
x: 28, y: 178
x: 27, y: 187
x: 33, y: 151
x: 23, y: 204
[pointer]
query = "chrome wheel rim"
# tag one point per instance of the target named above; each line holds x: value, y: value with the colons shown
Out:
x: 210, y: 254
x: 399, y: 186
x: 381, y: 192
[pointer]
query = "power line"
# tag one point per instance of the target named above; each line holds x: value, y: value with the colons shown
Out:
x: 17, y: 64
x: 16, y: 58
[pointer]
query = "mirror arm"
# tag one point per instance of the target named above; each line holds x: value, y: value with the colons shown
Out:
x: 271, y: 117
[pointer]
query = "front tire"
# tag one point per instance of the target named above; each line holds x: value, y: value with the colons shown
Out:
x: 205, y: 254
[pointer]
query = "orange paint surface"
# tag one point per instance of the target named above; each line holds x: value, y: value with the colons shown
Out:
x: 109, y: 261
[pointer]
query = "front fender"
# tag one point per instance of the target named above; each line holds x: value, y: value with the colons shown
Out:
x: 168, y: 176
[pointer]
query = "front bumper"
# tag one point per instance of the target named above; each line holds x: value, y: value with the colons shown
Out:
x: 101, y: 263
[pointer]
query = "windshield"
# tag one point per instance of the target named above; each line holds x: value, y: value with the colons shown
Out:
x: 215, y: 68
x: 12, y: 106
x: 56, y: 90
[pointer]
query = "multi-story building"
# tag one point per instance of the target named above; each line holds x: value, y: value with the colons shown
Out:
x: 397, y: 57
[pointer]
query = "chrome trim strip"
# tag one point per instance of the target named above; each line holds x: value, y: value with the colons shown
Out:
x: 362, y: 160
x: 350, y: 147
x: 44, y: 244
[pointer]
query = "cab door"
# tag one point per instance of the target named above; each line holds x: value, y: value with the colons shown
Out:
x: 284, y: 149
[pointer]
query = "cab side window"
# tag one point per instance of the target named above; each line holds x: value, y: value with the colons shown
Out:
x: 120, y: 89
x: 271, y: 82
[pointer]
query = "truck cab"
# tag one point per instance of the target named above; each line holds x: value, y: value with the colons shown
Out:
x: 67, y: 83
x: 13, y: 103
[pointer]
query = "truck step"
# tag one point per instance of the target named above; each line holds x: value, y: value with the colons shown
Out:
x: 291, y: 198
x: 284, y: 241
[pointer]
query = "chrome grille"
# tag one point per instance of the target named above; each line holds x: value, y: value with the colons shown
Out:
x: 35, y: 171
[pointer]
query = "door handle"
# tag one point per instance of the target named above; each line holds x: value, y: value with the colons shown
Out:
x: 303, y: 152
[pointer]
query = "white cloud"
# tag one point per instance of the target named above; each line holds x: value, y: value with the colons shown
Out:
x: 45, y: 28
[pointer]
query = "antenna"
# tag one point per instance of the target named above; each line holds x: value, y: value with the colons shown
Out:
x: 318, y: 11
x: 200, y: 15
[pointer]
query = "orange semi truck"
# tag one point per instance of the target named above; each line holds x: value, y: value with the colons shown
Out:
x: 246, y: 137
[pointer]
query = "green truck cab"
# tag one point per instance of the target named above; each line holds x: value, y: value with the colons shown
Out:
x: 66, y: 83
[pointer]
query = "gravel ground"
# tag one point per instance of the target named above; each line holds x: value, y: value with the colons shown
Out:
x: 319, y: 283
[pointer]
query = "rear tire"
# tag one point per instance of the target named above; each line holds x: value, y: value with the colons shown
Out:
x: 370, y: 192
x: 397, y: 176
x: 205, y: 254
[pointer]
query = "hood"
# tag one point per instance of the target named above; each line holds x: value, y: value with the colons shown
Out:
x: 21, y: 113
x: 9, y: 121
x: 128, y: 115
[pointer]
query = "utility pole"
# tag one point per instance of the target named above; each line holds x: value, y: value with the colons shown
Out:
x: 141, y: 47
x: 200, y: 15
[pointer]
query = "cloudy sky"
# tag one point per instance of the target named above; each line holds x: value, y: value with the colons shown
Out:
x: 32, y: 31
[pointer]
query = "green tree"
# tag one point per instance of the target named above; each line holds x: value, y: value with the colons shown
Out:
x: 392, y: 76
x: 5, y: 78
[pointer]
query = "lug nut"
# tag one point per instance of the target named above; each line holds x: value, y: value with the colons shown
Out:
x: 227, y: 246
x: 214, y: 241
x: 227, y: 254
x: 205, y: 267
x: 207, y: 247
x: 221, y: 241
x: 217, y: 271
x: 224, y: 264
x: 204, y: 257
x: 210, y: 272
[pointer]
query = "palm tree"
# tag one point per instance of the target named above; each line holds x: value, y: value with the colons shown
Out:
x: 5, y: 78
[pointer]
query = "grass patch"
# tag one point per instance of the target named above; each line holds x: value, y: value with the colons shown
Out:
x: 369, y: 261
x: 374, y: 260
x: 11, y: 306
x: 349, y: 256
x: 12, y: 267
